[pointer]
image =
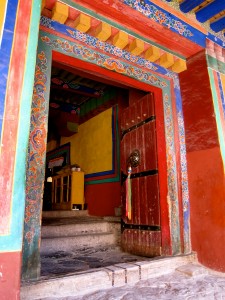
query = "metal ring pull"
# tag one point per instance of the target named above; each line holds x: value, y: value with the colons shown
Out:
x: 134, y: 159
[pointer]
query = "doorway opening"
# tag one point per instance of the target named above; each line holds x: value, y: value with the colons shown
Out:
x: 97, y: 112
x: 84, y: 134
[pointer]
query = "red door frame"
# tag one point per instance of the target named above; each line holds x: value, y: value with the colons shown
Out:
x: 160, y: 129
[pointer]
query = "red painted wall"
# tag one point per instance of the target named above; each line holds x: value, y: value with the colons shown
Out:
x: 205, y: 167
x: 207, y: 196
x: 103, y: 198
x: 10, y: 263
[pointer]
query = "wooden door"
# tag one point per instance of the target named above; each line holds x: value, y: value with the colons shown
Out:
x: 141, y: 231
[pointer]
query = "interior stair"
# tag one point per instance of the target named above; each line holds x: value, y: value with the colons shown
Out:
x: 76, y: 230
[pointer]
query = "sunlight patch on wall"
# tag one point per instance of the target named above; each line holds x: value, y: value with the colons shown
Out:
x: 92, y: 147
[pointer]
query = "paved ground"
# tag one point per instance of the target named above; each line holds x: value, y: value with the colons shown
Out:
x: 62, y: 263
x: 189, y: 282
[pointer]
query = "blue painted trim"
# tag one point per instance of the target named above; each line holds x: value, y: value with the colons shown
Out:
x: 221, y: 93
x: 165, y: 18
x: 218, y: 25
x: 210, y: 10
x: 188, y: 5
x: 183, y: 168
x: 99, y: 174
x: 5, y: 52
x: 216, y: 39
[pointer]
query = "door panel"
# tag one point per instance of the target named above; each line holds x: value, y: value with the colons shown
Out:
x: 142, y: 242
x: 141, y: 233
x: 142, y: 139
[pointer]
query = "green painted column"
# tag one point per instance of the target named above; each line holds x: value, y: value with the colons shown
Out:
x: 25, y: 108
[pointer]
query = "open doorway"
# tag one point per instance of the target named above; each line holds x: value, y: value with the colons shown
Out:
x: 84, y: 134
x: 83, y: 157
x: 108, y: 185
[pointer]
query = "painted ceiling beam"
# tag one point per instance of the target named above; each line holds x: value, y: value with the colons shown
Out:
x: 60, y: 88
x: 218, y: 25
x: 210, y: 10
x: 188, y: 5
x: 132, y: 21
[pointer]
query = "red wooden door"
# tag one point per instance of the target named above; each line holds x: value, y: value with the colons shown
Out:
x: 141, y: 232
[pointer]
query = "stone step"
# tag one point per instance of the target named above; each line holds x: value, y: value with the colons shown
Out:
x: 92, y: 281
x: 64, y: 213
x: 59, y: 230
x: 70, y: 243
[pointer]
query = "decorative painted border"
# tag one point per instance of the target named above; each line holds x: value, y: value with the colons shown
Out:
x: 35, y: 172
x: 218, y: 102
x: 94, y: 43
x: 92, y: 13
x: 55, y: 28
x: 184, y: 172
x: 165, y: 18
x: 221, y: 93
x: 113, y: 64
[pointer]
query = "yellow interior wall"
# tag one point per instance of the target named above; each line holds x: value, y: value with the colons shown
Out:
x: 91, y: 147
x: 2, y: 16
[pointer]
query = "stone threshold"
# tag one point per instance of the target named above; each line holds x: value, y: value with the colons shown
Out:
x: 118, y: 275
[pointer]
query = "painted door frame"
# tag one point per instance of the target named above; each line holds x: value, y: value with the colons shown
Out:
x: 54, y: 46
x: 130, y: 82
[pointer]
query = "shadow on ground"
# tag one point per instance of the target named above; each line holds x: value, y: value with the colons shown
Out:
x: 61, y: 263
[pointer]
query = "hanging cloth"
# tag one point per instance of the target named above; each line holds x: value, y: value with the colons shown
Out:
x: 128, y: 195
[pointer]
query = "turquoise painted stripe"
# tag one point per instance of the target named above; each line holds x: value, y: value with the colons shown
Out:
x: 118, y: 26
x: 115, y: 179
x: 215, y: 64
x: 13, y: 241
x: 217, y: 114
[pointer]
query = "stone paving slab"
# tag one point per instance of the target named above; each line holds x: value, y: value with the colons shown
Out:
x: 175, y: 285
x: 193, y: 270
x: 117, y: 276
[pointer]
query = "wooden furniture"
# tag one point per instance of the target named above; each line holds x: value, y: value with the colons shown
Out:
x: 68, y: 191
